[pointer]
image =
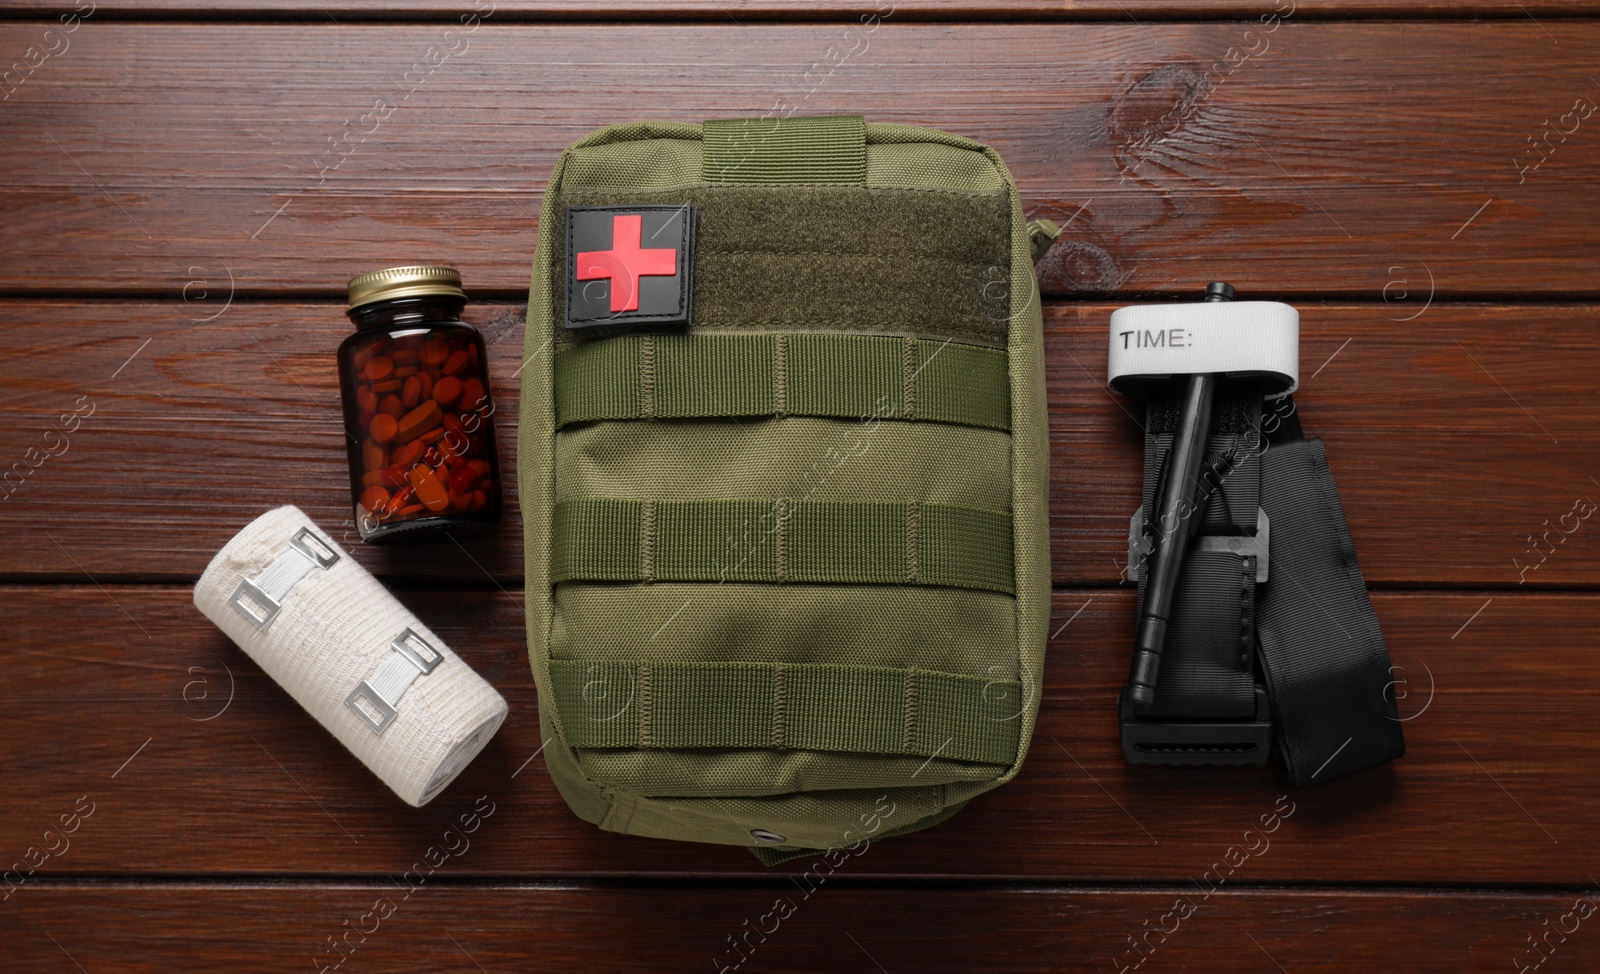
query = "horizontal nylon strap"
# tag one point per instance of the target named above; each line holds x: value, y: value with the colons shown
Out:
x: 841, y: 542
x: 799, y: 149
x: 858, y: 377
x: 800, y: 706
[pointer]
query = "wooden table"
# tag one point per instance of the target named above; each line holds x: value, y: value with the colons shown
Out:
x: 187, y: 187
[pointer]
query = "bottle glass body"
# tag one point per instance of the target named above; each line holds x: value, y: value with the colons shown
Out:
x: 419, y: 420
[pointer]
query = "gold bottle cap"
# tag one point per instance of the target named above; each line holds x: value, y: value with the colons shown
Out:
x: 412, y: 280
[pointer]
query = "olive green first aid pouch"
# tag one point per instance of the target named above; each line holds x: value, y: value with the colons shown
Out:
x: 784, y: 479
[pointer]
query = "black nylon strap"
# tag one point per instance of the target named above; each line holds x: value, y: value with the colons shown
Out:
x: 1325, y: 661
x: 1310, y: 627
x: 1207, y: 668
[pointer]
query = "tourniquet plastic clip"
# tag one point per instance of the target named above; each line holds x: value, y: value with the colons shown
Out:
x: 1196, y: 743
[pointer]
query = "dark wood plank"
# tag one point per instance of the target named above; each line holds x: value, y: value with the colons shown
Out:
x: 197, y: 762
x: 215, y: 927
x: 1453, y: 438
x: 847, y: 11
x: 214, y: 149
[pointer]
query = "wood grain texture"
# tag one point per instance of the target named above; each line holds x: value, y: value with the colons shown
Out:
x: 198, y: 764
x: 137, y: 928
x: 1453, y: 437
x: 188, y: 183
x: 1337, y: 153
x: 846, y: 11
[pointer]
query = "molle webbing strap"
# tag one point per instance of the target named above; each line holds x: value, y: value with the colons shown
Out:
x: 837, y: 542
x: 800, y: 149
x: 801, y: 706
x: 1323, y: 658
x: 855, y: 377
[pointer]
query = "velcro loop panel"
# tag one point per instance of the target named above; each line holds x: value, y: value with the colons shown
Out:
x: 839, y: 376
x: 776, y: 259
x: 1240, y: 339
x: 801, y: 149
x: 838, y: 542
x: 793, y: 706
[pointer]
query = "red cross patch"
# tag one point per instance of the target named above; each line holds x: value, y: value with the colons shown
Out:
x: 629, y: 264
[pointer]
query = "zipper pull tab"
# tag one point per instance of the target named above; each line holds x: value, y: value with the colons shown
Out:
x: 1041, y: 234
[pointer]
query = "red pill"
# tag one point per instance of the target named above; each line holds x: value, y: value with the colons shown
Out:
x: 374, y: 498
x: 403, y: 497
x: 433, y: 352
x: 433, y: 495
x: 447, y: 390
x: 408, y: 454
x: 383, y: 427
x: 419, y: 421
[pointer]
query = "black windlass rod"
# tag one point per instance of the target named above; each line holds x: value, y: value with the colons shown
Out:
x: 1174, y: 520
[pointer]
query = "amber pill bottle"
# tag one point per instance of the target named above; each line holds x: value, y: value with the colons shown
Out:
x: 418, y: 415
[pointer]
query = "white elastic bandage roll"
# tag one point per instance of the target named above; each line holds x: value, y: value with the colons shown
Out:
x: 356, y: 659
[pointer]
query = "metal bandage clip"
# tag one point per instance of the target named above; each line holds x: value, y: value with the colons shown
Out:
x: 375, y: 700
x: 260, y: 600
